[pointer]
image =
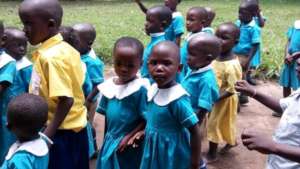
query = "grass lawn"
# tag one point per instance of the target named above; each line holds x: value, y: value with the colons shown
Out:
x: 114, y: 19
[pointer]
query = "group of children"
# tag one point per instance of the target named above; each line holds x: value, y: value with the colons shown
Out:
x: 155, y: 104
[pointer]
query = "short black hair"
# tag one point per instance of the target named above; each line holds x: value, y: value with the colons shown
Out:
x: 163, y: 13
x: 235, y: 29
x: 27, y: 113
x: 1, y: 27
x: 132, y: 43
x: 250, y: 5
x: 172, y: 47
x: 201, y: 11
x: 87, y: 29
x: 66, y: 32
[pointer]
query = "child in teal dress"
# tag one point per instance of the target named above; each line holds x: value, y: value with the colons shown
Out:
x: 15, y: 76
x: 172, y: 136
x: 26, y: 116
x: 210, y: 18
x: 176, y: 28
x: 288, y: 77
x: 196, y: 18
x: 123, y: 100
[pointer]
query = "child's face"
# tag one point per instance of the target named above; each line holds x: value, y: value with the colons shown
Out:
x: 81, y: 42
x: 227, y: 37
x: 16, y: 46
x: 194, y: 22
x: 163, y: 67
x: 153, y: 24
x: 197, y: 58
x: 126, y: 63
x: 245, y: 15
x: 172, y: 4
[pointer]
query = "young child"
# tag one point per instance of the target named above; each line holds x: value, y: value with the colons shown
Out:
x: 176, y: 28
x: 250, y: 39
x: 196, y: 18
x: 200, y: 82
x: 158, y: 18
x: 222, y: 120
x: 168, y: 144
x: 283, y: 149
x: 26, y: 116
x: 123, y: 100
x: 58, y: 77
x: 210, y: 18
x: 288, y: 78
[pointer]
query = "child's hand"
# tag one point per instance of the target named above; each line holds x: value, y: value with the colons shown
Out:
x: 288, y: 59
x: 245, y: 88
x: 136, y: 139
x: 258, y: 142
x: 124, y: 143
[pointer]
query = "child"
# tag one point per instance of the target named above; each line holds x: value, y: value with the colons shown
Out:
x: 283, y: 149
x: 168, y: 144
x: 176, y: 28
x: 26, y: 116
x: 123, y: 100
x: 288, y: 78
x: 58, y: 77
x: 200, y: 82
x: 158, y: 19
x: 222, y: 120
x: 210, y: 18
x: 196, y: 18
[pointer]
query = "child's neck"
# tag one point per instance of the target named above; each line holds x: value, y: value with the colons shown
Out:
x: 23, y: 139
x: 225, y: 56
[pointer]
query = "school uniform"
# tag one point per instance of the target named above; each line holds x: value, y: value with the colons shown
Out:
x: 288, y: 77
x: 209, y: 30
x: 57, y: 73
x: 24, y: 70
x: 123, y: 106
x: 167, y: 140
x: 155, y: 39
x: 202, y: 86
x: 250, y: 34
x: 287, y: 131
x: 176, y: 27
x: 27, y: 155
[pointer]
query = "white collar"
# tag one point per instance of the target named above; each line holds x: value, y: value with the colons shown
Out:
x: 37, y: 147
x: 297, y: 24
x: 111, y: 90
x: 154, y: 35
x: 92, y: 54
x: 204, y: 69
x: 163, y: 97
x: 5, y: 59
x: 83, y: 65
x: 191, y: 35
x: 252, y: 23
x: 176, y: 14
x: 23, y: 63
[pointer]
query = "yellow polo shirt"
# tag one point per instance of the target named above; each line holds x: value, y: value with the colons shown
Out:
x: 58, y: 72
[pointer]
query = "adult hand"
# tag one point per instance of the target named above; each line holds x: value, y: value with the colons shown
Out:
x: 245, y: 88
x: 136, y: 139
x: 124, y: 143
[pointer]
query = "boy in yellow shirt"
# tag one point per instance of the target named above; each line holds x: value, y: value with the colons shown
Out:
x: 58, y: 77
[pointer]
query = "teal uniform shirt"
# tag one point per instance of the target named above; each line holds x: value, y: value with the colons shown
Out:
x: 203, y: 88
x: 176, y: 27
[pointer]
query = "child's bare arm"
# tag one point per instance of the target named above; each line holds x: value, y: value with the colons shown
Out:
x: 265, y: 145
x: 63, y: 107
x: 195, y: 146
x: 178, y: 40
x: 224, y: 95
x: 243, y: 87
x: 261, y: 19
x: 142, y: 6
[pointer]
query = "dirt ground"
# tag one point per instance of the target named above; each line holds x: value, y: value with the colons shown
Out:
x: 252, y: 116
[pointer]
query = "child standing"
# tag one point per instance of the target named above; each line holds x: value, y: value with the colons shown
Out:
x: 123, y: 100
x: 176, y: 28
x: 196, y: 18
x: 158, y: 18
x: 210, y: 18
x: 26, y: 116
x: 222, y: 120
x: 58, y: 77
x: 168, y: 144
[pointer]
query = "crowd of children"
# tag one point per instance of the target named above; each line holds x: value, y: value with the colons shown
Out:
x: 155, y: 105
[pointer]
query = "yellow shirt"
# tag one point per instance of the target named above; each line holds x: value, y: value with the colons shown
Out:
x: 58, y: 72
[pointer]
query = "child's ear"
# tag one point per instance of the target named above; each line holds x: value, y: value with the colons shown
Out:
x: 164, y: 24
x: 52, y: 23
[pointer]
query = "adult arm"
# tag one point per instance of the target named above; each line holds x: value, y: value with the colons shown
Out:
x: 141, y: 6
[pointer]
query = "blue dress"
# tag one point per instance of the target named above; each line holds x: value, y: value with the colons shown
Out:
x: 289, y: 76
x: 155, y: 39
x: 123, y: 106
x: 176, y: 27
x: 203, y: 88
x: 167, y: 140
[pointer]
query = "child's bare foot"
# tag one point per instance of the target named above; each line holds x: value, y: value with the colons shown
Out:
x: 210, y: 158
x: 227, y: 147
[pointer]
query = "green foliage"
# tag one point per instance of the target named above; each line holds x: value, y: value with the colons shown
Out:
x: 116, y: 18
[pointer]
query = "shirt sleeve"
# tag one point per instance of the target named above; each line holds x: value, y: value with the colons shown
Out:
x: 178, y: 25
x: 102, y: 106
x: 285, y: 102
x: 231, y: 77
x: 8, y: 72
x: 96, y: 72
x: 256, y: 35
x: 87, y: 85
x: 208, y: 95
x: 20, y: 161
x: 183, y: 112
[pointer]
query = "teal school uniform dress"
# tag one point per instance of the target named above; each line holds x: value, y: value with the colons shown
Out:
x: 155, y: 39
x: 167, y: 140
x: 250, y: 34
x: 123, y: 106
x: 208, y: 30
x: 7, y: 74
x: 24, y: 70
x: 27, y: 155
x: 203, y: 88
x: 289, y: 76
x: 176, y: 27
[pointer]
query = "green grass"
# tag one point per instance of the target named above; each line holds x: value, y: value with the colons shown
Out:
x: 114, y: 19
